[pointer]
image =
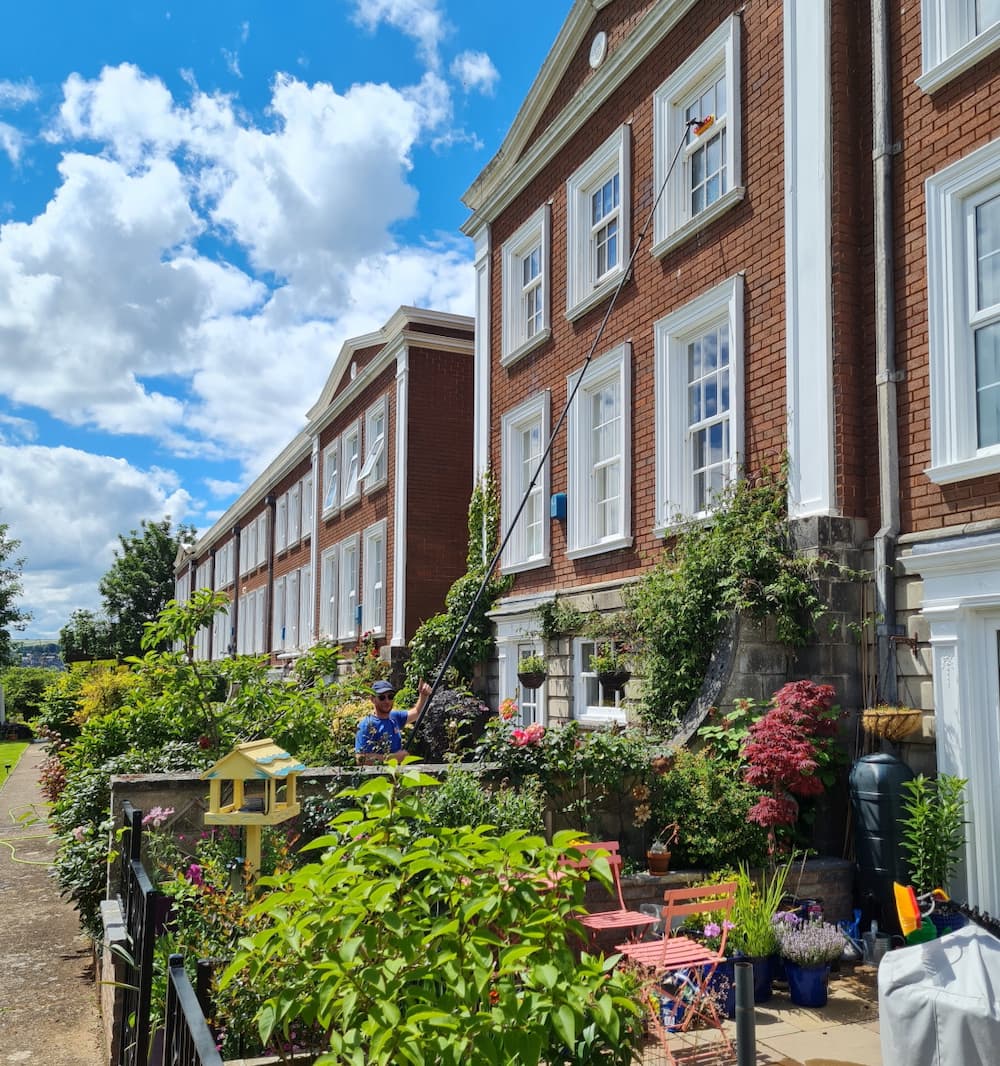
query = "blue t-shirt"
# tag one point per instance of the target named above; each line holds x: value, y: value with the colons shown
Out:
x: 380, y: 734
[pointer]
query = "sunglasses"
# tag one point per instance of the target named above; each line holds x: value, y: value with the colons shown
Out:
x: 383, y: 696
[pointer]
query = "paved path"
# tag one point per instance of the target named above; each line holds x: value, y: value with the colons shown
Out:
x: 48, y: 998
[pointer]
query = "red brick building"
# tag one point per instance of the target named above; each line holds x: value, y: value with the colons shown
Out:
x: 360, y: 524
x: 817, y: 278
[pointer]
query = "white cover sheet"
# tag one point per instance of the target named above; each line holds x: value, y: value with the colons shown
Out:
x: 938, y: 1002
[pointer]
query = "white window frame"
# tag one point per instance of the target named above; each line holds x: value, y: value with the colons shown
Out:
x: 373, y: 598
x: 350, y: 452
x: 281, y: 523
x: 329, y: 582
x: 305, y: 621
x: 331, y: 478
x: 220, y: 635
x: 248, y: 548
x: 307, y: 506
x: 674, y: 490
x: 347, y: 599
x: 515, y: 338
x: 949, y: 42
x: 182, y: 586
x: 955, y: 454
x: 294, y: 513
x: 514, y: 423
x: 586, y: 687
x: 719, y: 54
x: 262, y: 541
x: 583, y: 290
x: 582, y: 540
x: 375, y: 472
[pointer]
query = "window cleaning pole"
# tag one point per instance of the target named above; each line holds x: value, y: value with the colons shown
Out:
x: 699, y: 125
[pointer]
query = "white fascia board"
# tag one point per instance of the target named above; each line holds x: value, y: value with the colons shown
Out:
x: 510, y: 171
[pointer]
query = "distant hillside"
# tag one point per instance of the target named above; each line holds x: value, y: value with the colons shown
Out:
x: 36, y: 647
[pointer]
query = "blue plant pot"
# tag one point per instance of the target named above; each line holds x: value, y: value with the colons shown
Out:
x: 761, y: 976
x: 947, y: 923
x: 723, y: 987
x: 807, y: 985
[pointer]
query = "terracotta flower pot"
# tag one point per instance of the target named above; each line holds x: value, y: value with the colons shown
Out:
x: 658, y: 861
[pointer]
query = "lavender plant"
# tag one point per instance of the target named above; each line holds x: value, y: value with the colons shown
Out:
x: 808, y: 943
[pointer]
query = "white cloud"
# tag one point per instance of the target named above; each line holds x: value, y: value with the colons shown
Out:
x: 222, y: 489
x: 67, y: 508
x: 14, y: 94
x: 422, y: 20
x: 17, y: 429
x: 475, y: 70
x: 11, y: 142
x: 232, y: 61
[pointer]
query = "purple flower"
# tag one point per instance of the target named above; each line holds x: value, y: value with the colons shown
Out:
x: 713, y: 929
x: 194, y: 874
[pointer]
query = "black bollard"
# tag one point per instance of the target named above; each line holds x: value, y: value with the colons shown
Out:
x: 746, y: 1025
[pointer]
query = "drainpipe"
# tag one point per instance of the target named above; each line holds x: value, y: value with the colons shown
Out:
x: 886, y: 374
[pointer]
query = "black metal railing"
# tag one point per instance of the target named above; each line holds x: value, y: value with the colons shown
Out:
x: 139, y: 902
x: 188, y: 1041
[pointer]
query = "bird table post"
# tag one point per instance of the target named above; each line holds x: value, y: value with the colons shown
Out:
x: 253, y: 786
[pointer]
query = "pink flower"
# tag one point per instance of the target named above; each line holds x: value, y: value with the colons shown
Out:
x: 157, y: 816
x: 79, y: 834
x: 194, y: 874
x: 521, y: 738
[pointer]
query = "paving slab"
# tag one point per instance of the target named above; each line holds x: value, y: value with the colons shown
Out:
x: 49, y: 1013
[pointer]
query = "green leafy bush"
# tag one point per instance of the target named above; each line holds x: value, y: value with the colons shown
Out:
x: 463, y: 800
x: 710, y: 803
x: 410, y: 943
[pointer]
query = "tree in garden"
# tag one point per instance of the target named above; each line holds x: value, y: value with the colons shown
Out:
x: 140, y: 582
x: 23, y: 688
x: 87, y: 636
x: 788, y: 750
x: 11, y: 616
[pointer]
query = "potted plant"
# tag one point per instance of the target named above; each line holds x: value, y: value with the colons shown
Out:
x: 531, y: 671
x: 933, y: 835
x: 808, y: 948
x: 611, y: 667
x: 754, y: 935
x: 658, y: 853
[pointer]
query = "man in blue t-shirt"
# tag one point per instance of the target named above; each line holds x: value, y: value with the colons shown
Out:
x: 379, y: 734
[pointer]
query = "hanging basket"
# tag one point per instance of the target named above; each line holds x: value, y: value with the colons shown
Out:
x: 613, y: 681
x: 531, y: 679
x: 890, y: 723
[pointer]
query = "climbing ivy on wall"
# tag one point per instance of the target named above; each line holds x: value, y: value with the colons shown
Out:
x: 741, y: 561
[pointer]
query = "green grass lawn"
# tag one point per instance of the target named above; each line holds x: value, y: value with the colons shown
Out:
x: 10, y: 752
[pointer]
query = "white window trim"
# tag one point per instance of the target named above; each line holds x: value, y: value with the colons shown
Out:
x: 613, y: 156
x: 306, y: 607
x: 374, y: 546
x: 353, y: 431
x: 294, y: 513
x: 955, y: 455
x: 307, y: 507
x: 375, y: 471
x: 347, y: 626
x: 672, y: 224
x: 671, y: 334
x: 940, y: 66
x: 536, y: 408
x: 281, y: 523
x: 515, y: 341
x: 329, y: 583
x: 584, y: 712
x: 616, y: 363
x: 331, y: 453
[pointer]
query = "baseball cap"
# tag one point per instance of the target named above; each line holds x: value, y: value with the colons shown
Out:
x: 380, y: 688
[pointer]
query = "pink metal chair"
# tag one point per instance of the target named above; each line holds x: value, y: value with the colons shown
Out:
x: 615, y: 918
x: 687, y: 965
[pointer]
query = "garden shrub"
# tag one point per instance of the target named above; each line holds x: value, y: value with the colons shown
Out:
x: 710, y: 804
x: 411, y: 943
x: 463, y: 800
x: 451, y: 724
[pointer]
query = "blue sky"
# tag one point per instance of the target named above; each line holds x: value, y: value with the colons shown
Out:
x: 198, y: 204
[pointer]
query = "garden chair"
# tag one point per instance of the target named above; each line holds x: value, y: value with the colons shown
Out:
x: 617, y: 918
x: 683, y: 968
